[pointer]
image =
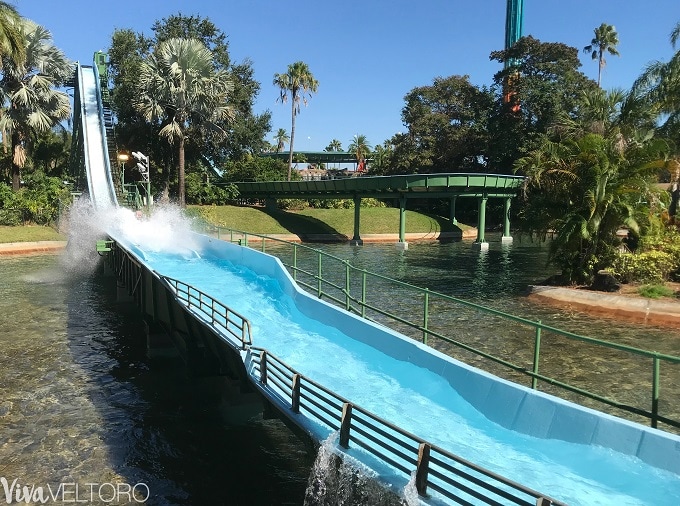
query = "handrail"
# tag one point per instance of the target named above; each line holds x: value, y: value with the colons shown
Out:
x: 435, y: 468
x: 358, y: 304
x: 216, y: 314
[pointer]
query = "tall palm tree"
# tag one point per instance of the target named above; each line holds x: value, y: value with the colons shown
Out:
x: 361, y: 149
x: 659, y: 85
x: 298, y: 82
x: 31, y: 103
x: 605, y: 41
x: 281, y: 138
x: 179, y: 86
x: 11, y: 39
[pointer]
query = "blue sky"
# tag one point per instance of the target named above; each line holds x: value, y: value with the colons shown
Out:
x: 368, y: 54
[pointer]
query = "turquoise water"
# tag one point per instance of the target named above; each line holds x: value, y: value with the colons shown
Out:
x: 418, y: 400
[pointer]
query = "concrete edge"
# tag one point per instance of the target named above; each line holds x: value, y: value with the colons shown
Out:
x: 31, y: 247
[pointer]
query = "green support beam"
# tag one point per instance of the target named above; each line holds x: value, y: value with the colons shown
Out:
x: 402, y: 244
x: 481, y: 243
x: 507, y: 238
x: 356, y: 239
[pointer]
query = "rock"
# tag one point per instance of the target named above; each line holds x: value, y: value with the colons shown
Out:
x: 605, y: 282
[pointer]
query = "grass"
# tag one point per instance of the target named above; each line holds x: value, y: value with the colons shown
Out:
x: 374, y: 220
x: 655, y: 291
x: 29, y: 233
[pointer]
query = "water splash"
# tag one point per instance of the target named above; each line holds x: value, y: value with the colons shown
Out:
x: 336, y: 479
x: 165, y: 230
x: 411, y: 497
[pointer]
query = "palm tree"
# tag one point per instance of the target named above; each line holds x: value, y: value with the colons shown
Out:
x: 605, y: 41
x: 11, y: 39
x: 298, y: 82
x: 334, y: 145
x: 659, y: 86
x: 31, y: 104
x: 361, y: 149
x: 179, y: 86
x: 281, y: 139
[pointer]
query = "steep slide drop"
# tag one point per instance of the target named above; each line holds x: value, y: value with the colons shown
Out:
x: 91, y: 134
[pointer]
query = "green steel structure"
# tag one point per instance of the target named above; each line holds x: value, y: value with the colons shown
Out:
x: 514, y: 16
x: 440, y: 186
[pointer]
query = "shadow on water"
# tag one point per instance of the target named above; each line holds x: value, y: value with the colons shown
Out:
x: 176, y: 433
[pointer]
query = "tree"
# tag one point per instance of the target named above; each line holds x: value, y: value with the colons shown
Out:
x: 31, y: 102
x: 298, y: 82
x: 178, y: 85
x: 11, y: 38
x: 548, y: 85
x: 447, y: 127
x: 659, y: 87
x: 605, y: 41
x: 361, y: 149
x: 334, y: 145
x: 596, y: 175
x: 281, y: 139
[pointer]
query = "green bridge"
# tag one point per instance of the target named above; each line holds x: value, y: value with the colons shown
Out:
x: 412, y: 186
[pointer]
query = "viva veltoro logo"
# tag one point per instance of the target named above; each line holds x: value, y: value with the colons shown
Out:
x: 67, y: 493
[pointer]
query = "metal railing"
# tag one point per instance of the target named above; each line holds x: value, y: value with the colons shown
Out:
x: 212, y: 311
x: 435, y: 468
x: 352, y: 295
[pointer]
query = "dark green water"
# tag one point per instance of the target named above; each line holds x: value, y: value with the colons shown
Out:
x: 81, y: 403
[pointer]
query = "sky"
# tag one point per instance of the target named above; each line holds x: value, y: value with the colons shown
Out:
x: 368, y: 54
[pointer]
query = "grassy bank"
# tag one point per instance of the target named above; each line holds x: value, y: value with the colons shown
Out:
x: 374, y: 220
x: 29, y: 233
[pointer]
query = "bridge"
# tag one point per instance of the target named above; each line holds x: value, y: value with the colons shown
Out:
x: 415, y: 418
x: 400, y: 187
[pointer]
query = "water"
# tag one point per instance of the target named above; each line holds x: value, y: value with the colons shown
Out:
x: 416, y: 399
x: 81, y: 403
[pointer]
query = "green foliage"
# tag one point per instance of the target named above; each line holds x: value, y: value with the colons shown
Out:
x: 202, y: 193
x: 38, y: 201
x: 291, y: 204
x: 655, y: 291
x: 648, y: 267
x: 256, y: 169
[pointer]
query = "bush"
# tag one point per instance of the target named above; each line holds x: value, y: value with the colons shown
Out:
x: 648, y: 267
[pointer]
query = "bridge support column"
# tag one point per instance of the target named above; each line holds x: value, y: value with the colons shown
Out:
x: 480, y: 244
x: 452, y: 211
x: 402, y: 244
x: 270, y: 203
x: 356, y: 240
x: 507, y: 238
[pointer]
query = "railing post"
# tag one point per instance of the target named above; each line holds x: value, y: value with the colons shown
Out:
x: 218, y: 233
x: 318, y: 276
x: 295, y: 262
x: 345, y: 424
x: 655, y: 392
x: 263, y: 367
x: 537, y: 355
x: 347, y: 287
x: 363, y: 293
x: 542, y: 501
x: 423, y: 468
x: 262, y: 244
x: 295, y: 401
x: 426, y: 310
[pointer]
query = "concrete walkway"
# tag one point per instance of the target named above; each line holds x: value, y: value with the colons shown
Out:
x: 661, y: 312
x: 27, y: 248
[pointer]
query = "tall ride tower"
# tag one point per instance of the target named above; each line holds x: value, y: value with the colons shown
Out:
x: 514, y: 15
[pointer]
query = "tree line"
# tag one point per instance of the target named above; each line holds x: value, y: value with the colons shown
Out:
x: 593, y: 158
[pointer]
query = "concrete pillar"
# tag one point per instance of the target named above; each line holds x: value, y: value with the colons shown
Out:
x: 452, y: 210
x: 507, y: 238
x: 270, y: 203
x: 480, y: 244
x: 402, y: 244
x: 356, y: 239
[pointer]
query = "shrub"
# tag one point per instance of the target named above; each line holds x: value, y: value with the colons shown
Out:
x: 648, y: 267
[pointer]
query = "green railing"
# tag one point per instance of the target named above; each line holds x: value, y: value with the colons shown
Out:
x: 435, y: 468
x: 212, y: 311
x: 348, y: 287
